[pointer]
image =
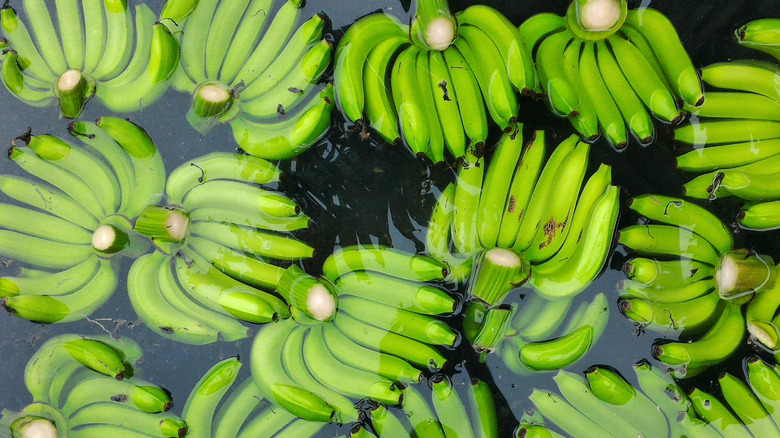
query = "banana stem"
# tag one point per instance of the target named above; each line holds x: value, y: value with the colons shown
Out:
x: 166, y: 224
x: 743, y: 272
x: 766, y: 333
x: 496, y: 272
x: 315, y: 298
x: 109, y: 240
x: 598, y: 15
x: 492, y: 329
x: 32, y: 426
x: 73, y: 90
x: 433, y: 26
x: 212, y: 100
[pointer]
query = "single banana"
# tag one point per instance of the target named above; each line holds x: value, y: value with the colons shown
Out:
x: 94, y: 33
x: 273, y: 381
x: 418, y: 411
x: 224, y: 23
x: 468, y: 189
x: 20, y: 40
x: 351, y: 55
x: 674, y: 60
x: 248, y: 33
x: 115, y: 414
x: 668, y: 240
x: 523, y: 182
x: 235, y: 194
x: 762, y: 216
x: 673, y: 293
x: 445, y: 100
x: 761, y: 34
x: 496, y: 185
x: 45, y: 35
x: 720, y: 341
x: 564, y: 415
x: 610, y: 118
x: 717, y: 414
x: 274, y: 43
x: 42, y: 225
x: 412, y: 110
x: 743, y: 77
x: 467, y: 94
x: 686, y: 215
x: 377, y: 339
x: 450, y: 408
x: 484, y: 57
x: 193, y: 42
x: 385, y: 260
x: 561, y: 91
x: 693, y: 314
x: 407, y: 295
x: 148, y: 166
x: 737, y: 154
x: 747, y: 406
x: 631, y: 107
x: 206, y: 394
x: 426, y: 89
x: 586, y: 122
x: 119, y: 40
x: 330, y: 371
x: 236, y: 264
x: 290, y: 137
x: 643, y: 79
x: 507, y: 38
x: 379, y: 107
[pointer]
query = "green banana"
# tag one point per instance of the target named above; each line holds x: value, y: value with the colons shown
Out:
x: 450, y: 408
x: 385, y: 260
x: 202, y: 402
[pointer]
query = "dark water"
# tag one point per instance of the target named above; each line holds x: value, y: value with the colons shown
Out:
x: 360, y: 191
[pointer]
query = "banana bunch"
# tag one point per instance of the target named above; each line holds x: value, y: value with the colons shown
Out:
x: 256, y: 72
x: 763, y: 35
x: 532, y: 208
x: 97, y: 48
x: 246, y: 412
x: 84, y: 387
x: 604, y: 67
x: 689, y: 278
x: 736, y: 138
x: 347, y: 324
x: 545, y: 335
x: 217, y: 239
x: 81, y: 205
x: 605, y: 404
x: 440, y: 68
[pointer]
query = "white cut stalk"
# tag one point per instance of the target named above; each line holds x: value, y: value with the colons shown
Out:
x: 34, y: 427
x: 599, y: 15
x: 211, y: 100
x: 72, y: 92
x: 165, y: 224
x: 440, y: 33
x: 321, y: 303
x: 743, y: 272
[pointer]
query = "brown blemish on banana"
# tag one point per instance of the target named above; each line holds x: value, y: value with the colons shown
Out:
x: 551, y: 230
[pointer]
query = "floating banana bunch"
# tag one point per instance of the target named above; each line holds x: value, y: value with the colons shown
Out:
x: 82, y: 202
x: 736, y: 136
x: 245, y: 412
x: 83, y: 386
x: 218, y: 239
x: 693, y: 280
x: 607, y: 69
x: 97, y: 48
x: 256, y: 72
x: 439, y: 72
x: 524, y: 220
x: 605, y: 404
x: 346, y: 324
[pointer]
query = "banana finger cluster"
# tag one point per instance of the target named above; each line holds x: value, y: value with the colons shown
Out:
x: 440, y: 68
x: 84, y: 386
x: 550, y: 335
x: 693, y: 281
x: 736, y: 139
x: 245, y: 412
x: 605, y: 404
x: 349, y: 323
x: 97, y: 48
x: 217, y: 240
x: 257, y: 72
x: 604, y: 67
x: 81, y: 205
